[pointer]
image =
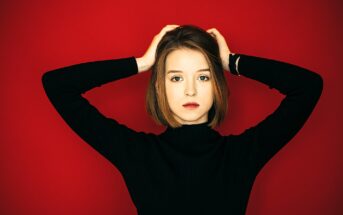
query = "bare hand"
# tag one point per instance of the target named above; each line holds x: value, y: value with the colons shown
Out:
x: 148, y: 59
x: 223, y: 47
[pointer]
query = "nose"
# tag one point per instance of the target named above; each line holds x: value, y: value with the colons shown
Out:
x: 190, y: 89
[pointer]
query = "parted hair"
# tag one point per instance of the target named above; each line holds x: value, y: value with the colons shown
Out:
x: 194, y: 38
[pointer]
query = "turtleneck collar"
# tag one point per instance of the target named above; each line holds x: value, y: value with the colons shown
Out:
x: 191, y: 135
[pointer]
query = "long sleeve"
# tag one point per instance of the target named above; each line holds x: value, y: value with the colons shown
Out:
x: 64, y: 87
x: 302, y: 89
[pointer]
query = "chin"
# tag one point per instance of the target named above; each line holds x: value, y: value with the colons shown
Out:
x: 190, y: 118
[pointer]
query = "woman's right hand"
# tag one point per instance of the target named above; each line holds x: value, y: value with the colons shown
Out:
x: 223, y: 47
x: 148, y: 59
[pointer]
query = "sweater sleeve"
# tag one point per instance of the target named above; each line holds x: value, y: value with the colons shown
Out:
x: 64, y: 88
x: 302, y: 89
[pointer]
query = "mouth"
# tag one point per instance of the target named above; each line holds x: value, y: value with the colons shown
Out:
x: 191, y: 105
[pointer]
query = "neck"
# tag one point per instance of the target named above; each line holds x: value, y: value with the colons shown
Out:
x: 190, y: 135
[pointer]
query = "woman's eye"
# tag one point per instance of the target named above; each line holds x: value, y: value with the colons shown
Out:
x: 176, y: 78
x: 204, y: 78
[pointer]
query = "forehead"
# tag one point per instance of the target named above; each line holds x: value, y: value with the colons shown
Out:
x: 186, y: 60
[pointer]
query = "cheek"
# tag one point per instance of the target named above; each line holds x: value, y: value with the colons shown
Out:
x: 209, y: 100
x: 206, y: 92
x: 173, y: 93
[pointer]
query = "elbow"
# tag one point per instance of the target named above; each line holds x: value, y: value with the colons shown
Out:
x: 48, y: 80
x: 45, y: 80
x: 317, y: 83
x: 314, y: 86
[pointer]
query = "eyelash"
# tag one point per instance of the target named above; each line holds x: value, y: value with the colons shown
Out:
x: 208, y: 78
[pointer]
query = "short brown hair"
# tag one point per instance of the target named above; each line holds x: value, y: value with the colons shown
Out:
x: 194, y: 38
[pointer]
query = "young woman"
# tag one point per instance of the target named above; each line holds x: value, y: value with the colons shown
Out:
x: 189, y: 168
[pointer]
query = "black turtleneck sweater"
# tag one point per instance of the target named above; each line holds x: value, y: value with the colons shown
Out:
x: 191, y: 169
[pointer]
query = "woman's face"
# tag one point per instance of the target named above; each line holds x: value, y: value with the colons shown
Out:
x: 188, y: 79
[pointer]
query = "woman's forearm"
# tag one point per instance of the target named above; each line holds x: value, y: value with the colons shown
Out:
x: 81, y: 77
x: 285, y: 77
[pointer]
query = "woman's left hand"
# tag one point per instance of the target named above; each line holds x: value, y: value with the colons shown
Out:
x: 223, y: 47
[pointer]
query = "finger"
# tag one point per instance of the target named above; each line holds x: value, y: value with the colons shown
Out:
x: 213, y: 35
x: 173, y: 25
x: 215, y: 31
x: 211, y: 31
x: 168, y: 28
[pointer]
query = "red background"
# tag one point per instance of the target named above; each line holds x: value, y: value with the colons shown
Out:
x: 48, y: 169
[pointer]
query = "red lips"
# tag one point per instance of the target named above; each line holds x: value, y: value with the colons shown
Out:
x: 191, y: 104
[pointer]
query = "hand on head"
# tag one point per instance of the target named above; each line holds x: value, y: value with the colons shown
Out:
x: 148, y: 59
x: 223, y: 47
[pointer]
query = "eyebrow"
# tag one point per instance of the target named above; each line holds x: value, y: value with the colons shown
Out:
x: 177, y: 71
